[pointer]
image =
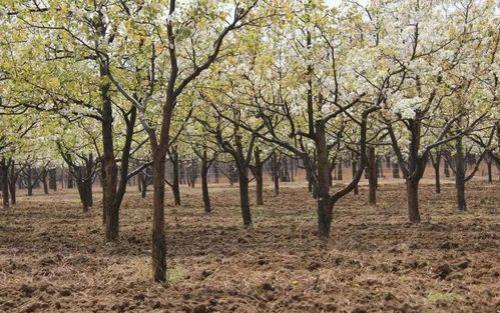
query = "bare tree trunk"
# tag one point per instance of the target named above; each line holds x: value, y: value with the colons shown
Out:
x: 489, y: 169
x: 340, y: 175
x: 52, y: 179
x: 324, y: 207
x: 4, y: 174
x: 176, y: 189
x: 395, y: 170
x: 244, y: 197
x: 275, y: 171
x: 259, y: 179
x: 159, y: 245
x: 372, y: 176
x: 29, y: 180
x: 436, y: 164
x: 460, y: 169
x: 354, y: 167
x: 446, y: 169
x: 13, y: 177
x: 43, y: 178
x: 216, y: 171
x: 204, y: 182
x: 412, y: 195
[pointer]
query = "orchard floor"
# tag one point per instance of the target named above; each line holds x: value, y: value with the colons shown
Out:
x: 53, y: 257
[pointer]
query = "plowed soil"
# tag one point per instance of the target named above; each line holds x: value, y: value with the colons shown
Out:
x: 53, y: 257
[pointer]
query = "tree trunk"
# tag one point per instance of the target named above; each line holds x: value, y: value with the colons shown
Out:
x: 488, y: 168
x: 244, y: 196
x: 53, y: 179
x: 176, y: 189
x: 70, y: 182
x: 204, y: 182
x: 29, y: 178
x: 395, y: 170
x: 354, y: 167
x: 159, y: 244
x: 144, y: 185
x: 259, y: 179
x: 275, y: 172
x: 324, y: 205
x: 216, y: 171
x: 43, y: 178
x: 372, y: 176
x: 412, y: 195
x: 460, y: 169
x: 446, y: 169
x: 4, y: 174
x: 12, y: 183
x: 437, y: 175
x: 340, y: 175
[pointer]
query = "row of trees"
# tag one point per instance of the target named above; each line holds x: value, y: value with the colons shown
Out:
x: 119, y: 87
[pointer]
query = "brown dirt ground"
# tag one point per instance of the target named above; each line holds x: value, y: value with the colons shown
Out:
x: 53, y: 257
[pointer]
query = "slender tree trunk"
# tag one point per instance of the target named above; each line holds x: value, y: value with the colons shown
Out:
x: 446, y: 169
x: 285, y: 175
x: 244, y: 196
x: 460, y: 169
x: 372, y: 176
x: 259, y: 179
x: 70, y: 182
x: 275, y: 171
x: 395, y: 170
x: 13, y: 176
x: 176, y: 189
x: 488, y: 168
x: 110, y: 167
x: 216, y: 171
x: 144, y: 185
x: 4, y: 174
x: 340, y: 175
x: 43, y: 177
x: 354, y: 167
x: 29, y: 178
x: 324, y: 205
x: 52, y: 179
x: 204, y: 182
x: 436, y: 164
x: 159, y: 244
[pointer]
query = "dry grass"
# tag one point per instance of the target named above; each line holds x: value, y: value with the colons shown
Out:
x: 53, y: 257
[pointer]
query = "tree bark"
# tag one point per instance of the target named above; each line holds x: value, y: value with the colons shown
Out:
x: 436, y: 164
x: 4, y: 176
x: 354, y: 167
x: 460, y: 168
x: 204, y: 182
x: 244, y: 196
x: 159, y: 245
x: 13, y: 177
x: 412, y: 195
x: 29, y: 180
x: 372, y: 176
x: 53, y: 179
x: 259, y: 179
x: 324, y: 205
x: 176, y: 190
x: 275, y: 172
